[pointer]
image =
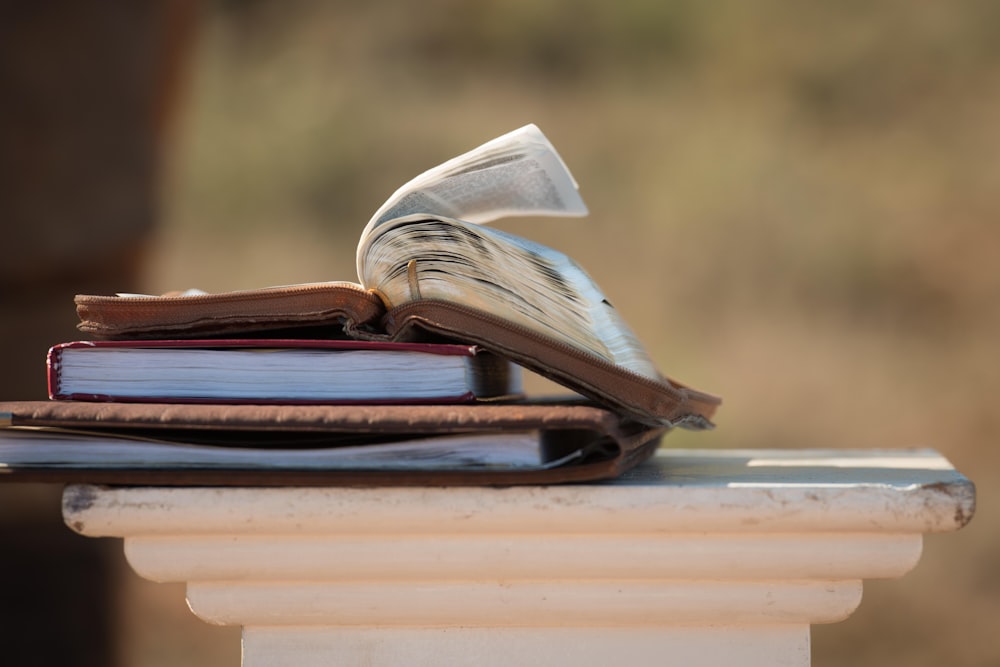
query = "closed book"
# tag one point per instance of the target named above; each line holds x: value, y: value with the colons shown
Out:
x: 184, y: 444
x: 277, y: 371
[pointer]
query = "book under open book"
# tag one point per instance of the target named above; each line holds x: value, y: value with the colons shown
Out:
x: 278, y: 371
x: 429, y: 269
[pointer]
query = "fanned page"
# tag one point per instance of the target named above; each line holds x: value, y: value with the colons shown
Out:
x: 492, y: 271
x: 427, y: 242
x: 517, y: 174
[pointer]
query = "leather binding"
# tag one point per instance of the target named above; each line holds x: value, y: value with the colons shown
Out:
x: 612, y: 444
x: 244, y: 311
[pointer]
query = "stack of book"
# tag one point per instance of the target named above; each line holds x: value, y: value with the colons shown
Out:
x: 410, y: 375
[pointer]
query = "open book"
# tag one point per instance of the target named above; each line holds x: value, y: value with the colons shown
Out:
x: 429, y: 268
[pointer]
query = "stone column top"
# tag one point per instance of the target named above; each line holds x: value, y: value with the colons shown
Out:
x: 679, y: 490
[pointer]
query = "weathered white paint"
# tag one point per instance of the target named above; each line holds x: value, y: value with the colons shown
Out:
x: 697, y: 558
x: 523, y: 603
x: 649, y: 646
x: 681, y: 490
x: 431, y: 557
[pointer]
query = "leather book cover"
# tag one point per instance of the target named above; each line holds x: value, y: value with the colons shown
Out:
x: 336, y: 305
x: 608, y: 444
x: 655, y: 401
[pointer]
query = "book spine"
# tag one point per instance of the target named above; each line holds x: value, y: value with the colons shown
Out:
x: 52, y: 364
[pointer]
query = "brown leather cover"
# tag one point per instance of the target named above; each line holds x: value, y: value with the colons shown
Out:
x: 191, y: 316
x: 661, y: 401
x: 614, y: 444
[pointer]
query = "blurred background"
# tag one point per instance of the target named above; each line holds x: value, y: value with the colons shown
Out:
x: 795, y: 205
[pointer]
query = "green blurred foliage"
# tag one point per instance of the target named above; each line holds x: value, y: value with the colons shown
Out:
x: 794, y: 204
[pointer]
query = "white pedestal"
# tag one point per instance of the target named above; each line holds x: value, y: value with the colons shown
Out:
x: 696, y: 558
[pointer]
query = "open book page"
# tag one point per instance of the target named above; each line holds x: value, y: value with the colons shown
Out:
x: 52, y: 448
x: 493, y: 271
x: 517, y: 174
